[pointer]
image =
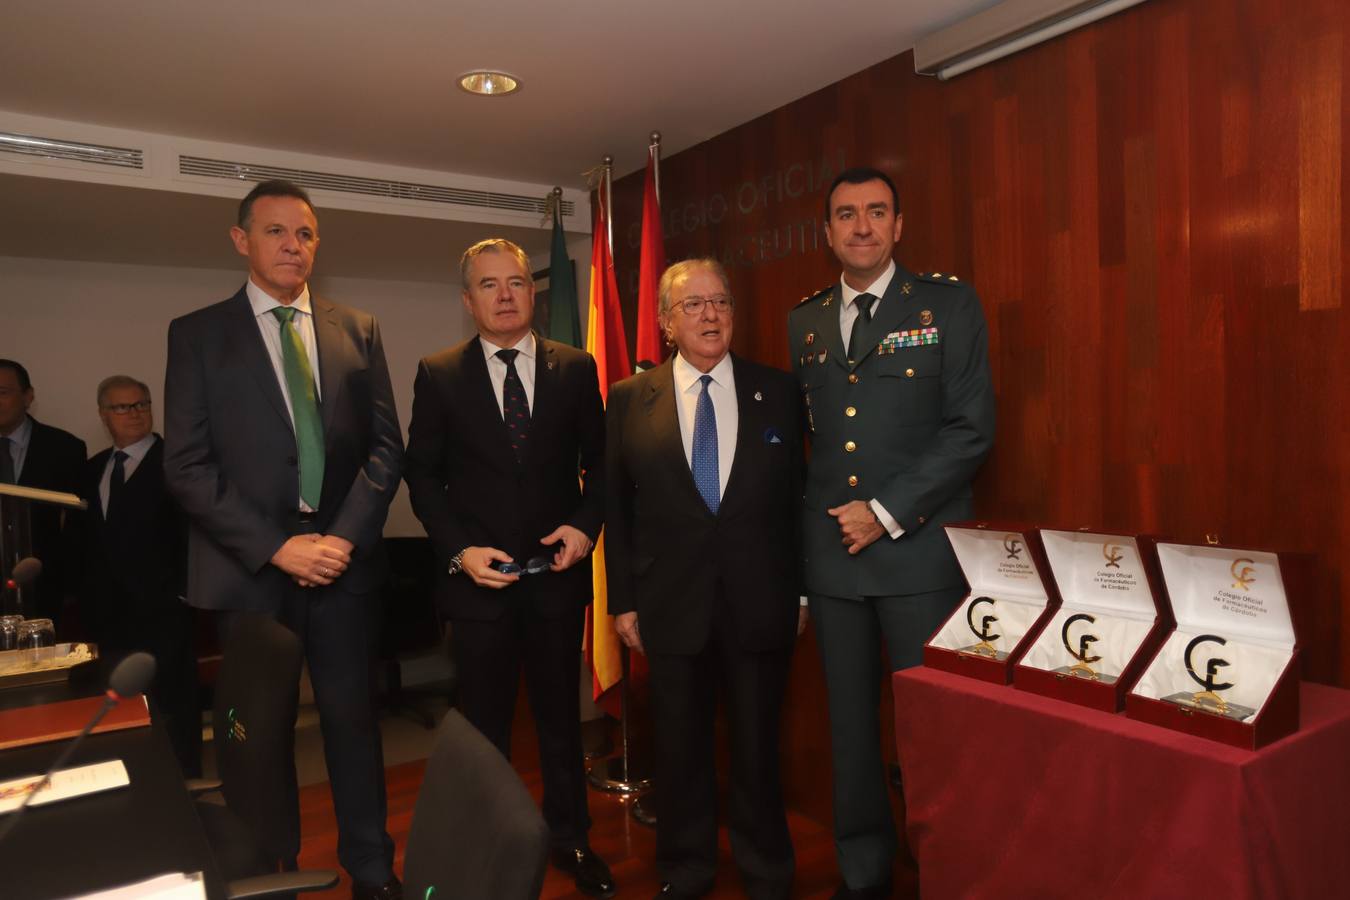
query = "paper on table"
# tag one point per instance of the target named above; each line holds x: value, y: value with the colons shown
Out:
x: 174, y: 886
x: 64, y: 784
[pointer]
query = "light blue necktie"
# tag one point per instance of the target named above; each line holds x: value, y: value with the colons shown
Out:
x: 704, y: 463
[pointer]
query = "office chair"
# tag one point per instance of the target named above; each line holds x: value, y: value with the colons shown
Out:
x: 476, y: 832
x: 257, y: 832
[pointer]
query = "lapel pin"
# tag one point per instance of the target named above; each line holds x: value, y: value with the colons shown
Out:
x: 906, y: 288
x: 758, y: 395
x: 810, y: 338
x: 926, y: 317
x: 551, y: 363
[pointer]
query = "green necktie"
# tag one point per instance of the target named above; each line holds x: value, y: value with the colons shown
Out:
x: 304, y: 407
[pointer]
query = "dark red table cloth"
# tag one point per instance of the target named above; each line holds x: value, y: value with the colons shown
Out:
x: 1011, y: 794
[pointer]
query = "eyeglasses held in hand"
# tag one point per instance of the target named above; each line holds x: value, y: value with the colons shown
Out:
x: 533, y: 566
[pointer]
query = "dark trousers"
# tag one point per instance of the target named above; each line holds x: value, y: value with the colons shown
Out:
x: 684, y: 690
x: 335, y: 628
x: 489, y: 658
x: 850, y: 634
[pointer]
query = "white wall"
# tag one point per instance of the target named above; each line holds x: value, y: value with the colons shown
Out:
x: 74, y: 323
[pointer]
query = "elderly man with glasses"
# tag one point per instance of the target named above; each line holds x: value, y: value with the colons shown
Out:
x: 703, y: 464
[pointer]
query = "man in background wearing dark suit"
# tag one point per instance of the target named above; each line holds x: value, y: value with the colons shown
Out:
x: 135, y: 556
x: 894, y: 374
x: 283, y: 447
x: 703, y: 463
x: 39, y: 456
x: 501, y: 425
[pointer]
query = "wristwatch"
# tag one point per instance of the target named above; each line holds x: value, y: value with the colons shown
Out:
x: 456, y: 563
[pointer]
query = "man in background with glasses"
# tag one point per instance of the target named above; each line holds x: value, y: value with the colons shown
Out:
x: 135, y: 559
x: 703, y: 463
x: 502, y: 425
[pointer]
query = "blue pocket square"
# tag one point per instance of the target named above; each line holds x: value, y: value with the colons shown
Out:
x: 771, y: 436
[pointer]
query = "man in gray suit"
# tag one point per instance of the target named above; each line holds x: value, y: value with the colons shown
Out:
x: 894, y: 372
x: 283, y: 447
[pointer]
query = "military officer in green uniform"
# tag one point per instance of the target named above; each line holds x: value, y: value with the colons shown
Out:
x: 894, y: 373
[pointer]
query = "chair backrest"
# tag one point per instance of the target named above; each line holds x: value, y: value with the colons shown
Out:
x: 476, y: 832
x: 257, y: 692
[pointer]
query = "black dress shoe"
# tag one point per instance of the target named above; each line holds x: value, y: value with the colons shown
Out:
x: 587, y: 870
x: 390, y: 890
x: 876, y: 892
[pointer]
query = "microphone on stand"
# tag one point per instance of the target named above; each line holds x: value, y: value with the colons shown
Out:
x: 131, y: 677
x: 22, y: 576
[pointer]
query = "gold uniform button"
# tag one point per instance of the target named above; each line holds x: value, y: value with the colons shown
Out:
x: 909, y: 373
x: 850, y: 412
x: 849, y: 447
x: 853, y: 481
x: 852, y: 377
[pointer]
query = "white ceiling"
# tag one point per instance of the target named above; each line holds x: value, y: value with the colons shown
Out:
x: 376, y: 81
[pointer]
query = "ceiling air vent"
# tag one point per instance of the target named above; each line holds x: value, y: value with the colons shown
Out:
x: 370, y: 187
x: 49, y: 148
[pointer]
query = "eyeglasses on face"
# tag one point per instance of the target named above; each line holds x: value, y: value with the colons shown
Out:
x: 121, y: 409
x: 694, y: 306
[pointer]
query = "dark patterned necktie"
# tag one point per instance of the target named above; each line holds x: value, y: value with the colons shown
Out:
x: 703, y: 460
x: 863, y: 303
x: 116, y: 482
x: 515, y: 408
x: 6, y: 461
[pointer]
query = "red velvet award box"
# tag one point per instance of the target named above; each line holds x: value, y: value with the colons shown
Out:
x: 1108, y: 624
x: 1229, y: 671
x: 1008, y: 596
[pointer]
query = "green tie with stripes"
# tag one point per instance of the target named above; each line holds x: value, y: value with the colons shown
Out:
x: 304, y: 407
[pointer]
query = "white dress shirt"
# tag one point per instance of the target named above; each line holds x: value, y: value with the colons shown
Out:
x: 135, y: 453
x: 722, y: 392
x: 496, y: 367
x: 270, y: 328
x: 848, y: 312
x: 18, y: 445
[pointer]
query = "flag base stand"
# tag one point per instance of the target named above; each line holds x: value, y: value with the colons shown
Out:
x: 621, y: 774
x: 642, y: 811
x: 617, y: 775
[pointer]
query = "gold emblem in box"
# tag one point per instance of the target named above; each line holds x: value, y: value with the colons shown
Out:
x: 985, y: 647
x: 1083, y: 667
x: 1210, y: 700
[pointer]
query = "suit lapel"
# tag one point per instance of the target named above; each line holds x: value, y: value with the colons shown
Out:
x: 329, y: 347
x: 243, y: 328
x: 896, y: 307
x: 545, y: 389
x: 658, y: 399
x: 749, y: 428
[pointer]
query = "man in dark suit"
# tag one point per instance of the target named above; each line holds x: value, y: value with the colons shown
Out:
x: 283, y: 447
x: 39, y: 456
x: 703, y: 466
x: 501, y: 424
x: 894, y: 372
x: 134, y: 561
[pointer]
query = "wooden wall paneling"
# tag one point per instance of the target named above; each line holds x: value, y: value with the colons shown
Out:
x: 1151, y: 210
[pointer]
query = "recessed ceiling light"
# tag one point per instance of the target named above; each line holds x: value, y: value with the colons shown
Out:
x: 489, y: 84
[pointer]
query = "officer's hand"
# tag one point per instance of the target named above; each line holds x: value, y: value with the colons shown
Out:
x: 626, y: 625
x: 858, y: 525
x: 476, y: 562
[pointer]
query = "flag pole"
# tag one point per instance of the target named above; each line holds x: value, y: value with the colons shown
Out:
x: 618, y: 774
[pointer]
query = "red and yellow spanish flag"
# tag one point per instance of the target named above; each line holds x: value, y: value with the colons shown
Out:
x: 605, y: 340
x: 651, y: 349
